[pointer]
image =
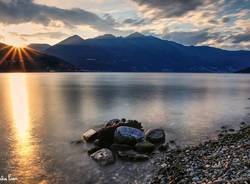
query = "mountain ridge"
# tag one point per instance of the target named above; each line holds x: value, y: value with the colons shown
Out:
x: 142, y: 53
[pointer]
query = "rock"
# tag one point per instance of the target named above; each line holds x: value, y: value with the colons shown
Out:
x: 93, y: 150
x: 106, y: 136
x: 103, y: 157
x: 172, y: 141
x: 132, y: 156
x: 90, y: 135
x: 112, y: 122
x: 77, y: 142
x: 128, y: 135
x: 120, y: 147
x: 123, y: 120
x: 243, y: 123
x: 231, y: 130
x: 144, y: 147
x: 133, y: 124
x: 163, y: 147
x: 155, y: 135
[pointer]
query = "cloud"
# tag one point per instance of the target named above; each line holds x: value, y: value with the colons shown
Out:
x: 17, y: 11
x: 134, y: 22
x: 188, y: 38
x: 169, y: 8
x: 225, y: 19
x: 243, y: 37
x: 52, y: 35
x: 2, y: 38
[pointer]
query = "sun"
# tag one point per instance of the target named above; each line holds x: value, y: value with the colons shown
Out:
x: 18, y: 45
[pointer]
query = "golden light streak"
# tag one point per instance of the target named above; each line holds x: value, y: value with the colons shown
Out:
x: 20, y: 56
x: 6, y: 55
x: 14, y: 54
x: 33, y: 51
x: 27, y: 55
x: 19, y: 104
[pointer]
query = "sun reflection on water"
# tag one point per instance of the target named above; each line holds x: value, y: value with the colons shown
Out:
x: 19, y: 104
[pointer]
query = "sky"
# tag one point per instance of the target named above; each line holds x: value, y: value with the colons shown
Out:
x: 218, y: 23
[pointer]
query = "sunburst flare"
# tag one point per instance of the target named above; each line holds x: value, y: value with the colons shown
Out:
x: 21, y: 55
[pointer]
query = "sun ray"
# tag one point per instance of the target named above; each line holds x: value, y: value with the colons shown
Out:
x: 21, y: 60
x: 5, y: 47
x: 33, y: 51
x: 14, y: 54
x: 27, y: 55
x: 6, y: 55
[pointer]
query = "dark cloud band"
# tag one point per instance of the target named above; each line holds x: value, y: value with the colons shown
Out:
x: 22, y: 11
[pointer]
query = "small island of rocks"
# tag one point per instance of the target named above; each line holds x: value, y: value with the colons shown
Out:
x: 224, y: 160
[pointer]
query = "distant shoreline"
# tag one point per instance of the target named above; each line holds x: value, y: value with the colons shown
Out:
x: 127, y: 72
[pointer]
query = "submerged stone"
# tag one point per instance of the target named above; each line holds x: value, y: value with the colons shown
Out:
x: 155, y: 135
x: 144, y: 147
x: 120, y: 147
x: 132, y: 156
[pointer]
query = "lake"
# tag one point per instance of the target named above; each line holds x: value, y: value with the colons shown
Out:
x: 42, y: 113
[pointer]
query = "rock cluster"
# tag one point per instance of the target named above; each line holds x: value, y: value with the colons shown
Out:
x: 225, y: 160
x: 124, y: 139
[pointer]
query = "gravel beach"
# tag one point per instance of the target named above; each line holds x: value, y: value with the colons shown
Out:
x: 225, y: 160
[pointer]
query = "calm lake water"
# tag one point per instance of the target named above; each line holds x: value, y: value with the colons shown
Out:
x: 41, y: 113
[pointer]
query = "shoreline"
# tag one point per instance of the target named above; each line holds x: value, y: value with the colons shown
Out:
x: 226, y: 159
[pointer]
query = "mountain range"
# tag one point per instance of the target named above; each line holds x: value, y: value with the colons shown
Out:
x: 140, y: 53
x: 133, y: 53
x: 29, y: 60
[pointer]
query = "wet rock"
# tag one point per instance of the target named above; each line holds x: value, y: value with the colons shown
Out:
x: 90, y: 135
x: 103, y: 157
x: 163, y: 147
x: 144, y: 147
x: 112, y: 122
x: 243, y: 123
x: 77, y: 142
x: 106, y: 136
x: 132, y: 156
x: 133, y: 124
x: 223, y: 127
x: 155, y: 135
x: 93, y: 150
x: 172, y: 141
x: 120, y: 147
x: 128, y: 135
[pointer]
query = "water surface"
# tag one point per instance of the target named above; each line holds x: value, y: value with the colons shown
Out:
x: 41, y: 113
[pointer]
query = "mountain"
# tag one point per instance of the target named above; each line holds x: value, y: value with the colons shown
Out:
x: 246, y: 70
x: 73, y: 40
x: 39, y: 46
x: 29, y: 60
x: 141, y: 53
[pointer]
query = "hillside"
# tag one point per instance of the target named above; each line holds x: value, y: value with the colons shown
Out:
x: 29, y: 60
x: 141, y: 53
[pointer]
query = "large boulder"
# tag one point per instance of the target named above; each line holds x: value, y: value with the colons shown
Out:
x: 128, y: 135
x: 144, y: 147
x: 155, y: 136
x: 131, y: 155
x: 103, y: 157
